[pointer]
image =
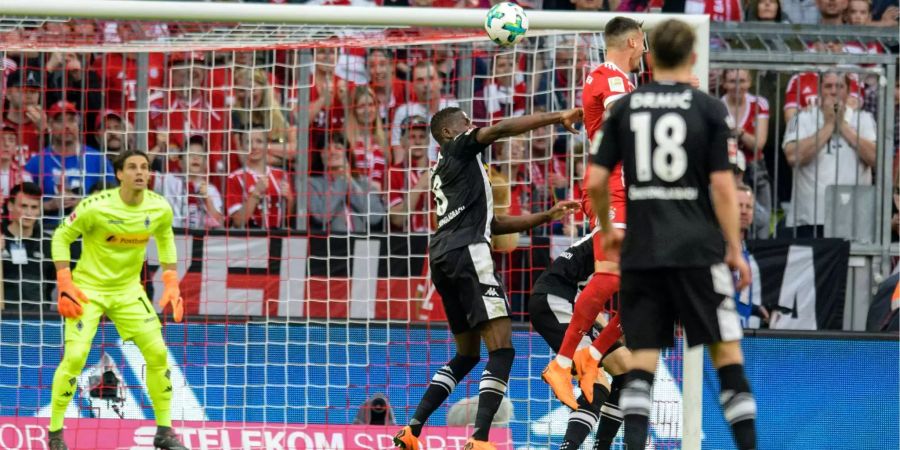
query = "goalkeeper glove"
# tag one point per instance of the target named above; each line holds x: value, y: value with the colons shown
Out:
x: 69, y: 298
x: 172, y: 294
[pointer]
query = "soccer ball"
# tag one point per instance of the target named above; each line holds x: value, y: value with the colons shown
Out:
x: 506, y: 24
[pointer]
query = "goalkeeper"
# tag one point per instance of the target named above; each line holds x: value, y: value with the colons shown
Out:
x: 115, y: 226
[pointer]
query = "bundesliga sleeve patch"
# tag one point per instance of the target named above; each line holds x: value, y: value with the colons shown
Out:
x: 732, y: 151
x: 616, y: 84
x: 71, y: 218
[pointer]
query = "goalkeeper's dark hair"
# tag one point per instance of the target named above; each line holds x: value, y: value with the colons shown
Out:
x: 442, y: 119
x: 671, y: 44
x: 119, y: 162
x: 617, y: 30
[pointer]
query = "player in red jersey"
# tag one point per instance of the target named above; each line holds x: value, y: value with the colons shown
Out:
x: 607, y: 83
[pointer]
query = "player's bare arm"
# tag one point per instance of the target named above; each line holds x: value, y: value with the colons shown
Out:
x: 504, y: 224
x: 724, y: 197
x: 518, y: 125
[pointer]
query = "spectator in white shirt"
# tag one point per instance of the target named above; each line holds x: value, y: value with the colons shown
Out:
x: 832, y: 144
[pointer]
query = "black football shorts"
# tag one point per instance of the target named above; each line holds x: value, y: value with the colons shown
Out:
x: 469, y: 287
x: 653, y: 301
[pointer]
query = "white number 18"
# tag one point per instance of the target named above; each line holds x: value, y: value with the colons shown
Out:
x: 669, y: 160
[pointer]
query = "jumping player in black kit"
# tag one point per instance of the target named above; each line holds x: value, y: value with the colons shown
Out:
x: 550, y: 309
x: 682, y: 202
x: 462, y: 268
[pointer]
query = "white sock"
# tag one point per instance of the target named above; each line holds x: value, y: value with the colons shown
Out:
x: 565, y: 363
x: 595, y: 353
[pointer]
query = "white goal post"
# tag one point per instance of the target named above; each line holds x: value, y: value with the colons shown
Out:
x: 389, y: 17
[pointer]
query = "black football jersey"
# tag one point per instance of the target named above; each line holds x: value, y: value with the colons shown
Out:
x: 670, y: 137
x: 570, y: 271
x: 462, y: 194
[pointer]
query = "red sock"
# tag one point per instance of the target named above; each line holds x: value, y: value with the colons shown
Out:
x: 589, y: 303
x: 610, y: 334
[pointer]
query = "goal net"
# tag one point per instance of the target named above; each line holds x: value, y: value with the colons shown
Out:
x: 293, y: 157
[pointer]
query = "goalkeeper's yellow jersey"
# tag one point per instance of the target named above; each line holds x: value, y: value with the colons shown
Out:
x: 114, y: 239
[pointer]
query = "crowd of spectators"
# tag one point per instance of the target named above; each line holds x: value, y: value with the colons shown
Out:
x: 226, y: 130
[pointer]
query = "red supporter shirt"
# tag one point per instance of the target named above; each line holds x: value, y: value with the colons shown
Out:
x: 718, y: 10
x: 330, y: 119
x: 10, y: 177
x: 273, y: 207
x: 500, y: 102
x: 757, y: 107
x: 529, y: 178
x: 803, y: 90
x: 369, y: 161
x: 400, y: 181
x: 605, y: 84
x: 30, y: 140
x: 400, y: 94
x: 119, y: 75
x: 181, y: 120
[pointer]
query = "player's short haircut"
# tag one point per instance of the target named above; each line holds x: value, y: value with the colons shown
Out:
x: 119, y: 162
x: 617, y: 30
x: 671, y: 44
x: 442, y: 119
x: 28, y: 188
x: 744, y: 188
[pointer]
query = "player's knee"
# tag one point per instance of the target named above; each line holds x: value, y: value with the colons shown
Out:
x: 497, y: 334
x: 606, y: 267
x: 616, y: 363
x: 468, y: 344
x: 726, y: 353
x: 155, y: 353
x: 585, y: 312
x: 75, y: 356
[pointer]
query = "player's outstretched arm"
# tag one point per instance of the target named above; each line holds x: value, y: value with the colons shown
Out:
x: 504, y: 224
x: 517, y: 125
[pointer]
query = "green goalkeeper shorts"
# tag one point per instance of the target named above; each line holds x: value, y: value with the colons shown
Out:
x: 130, y: 310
